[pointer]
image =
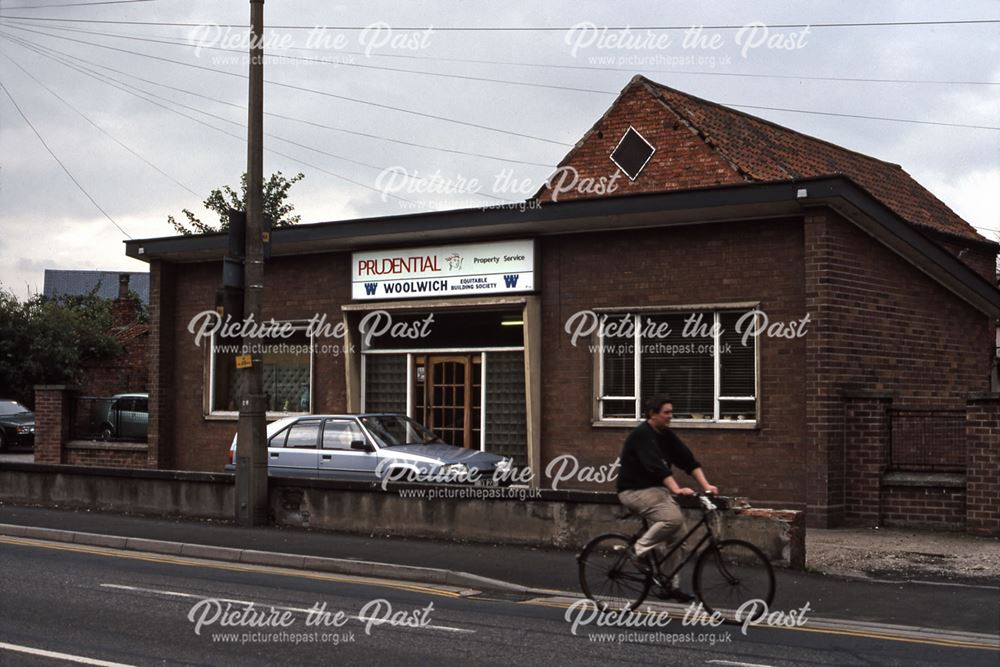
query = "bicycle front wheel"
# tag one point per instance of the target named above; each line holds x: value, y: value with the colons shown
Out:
x: 608, y: 576
x: 730, y: 573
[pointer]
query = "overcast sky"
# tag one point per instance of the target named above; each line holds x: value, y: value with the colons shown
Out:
x: 47, y: 222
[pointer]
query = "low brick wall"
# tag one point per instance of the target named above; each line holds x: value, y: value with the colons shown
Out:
x: 562, y: 519
x: 114, y: 454
x: 924, y: 501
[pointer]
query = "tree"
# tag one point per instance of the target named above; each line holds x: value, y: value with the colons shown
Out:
x: 44, y: 339
x: 221, y: 200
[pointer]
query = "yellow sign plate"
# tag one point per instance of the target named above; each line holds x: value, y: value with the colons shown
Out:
x: 243, y: 361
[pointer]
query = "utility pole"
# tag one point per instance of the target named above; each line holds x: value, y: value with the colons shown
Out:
x: 251, y: 453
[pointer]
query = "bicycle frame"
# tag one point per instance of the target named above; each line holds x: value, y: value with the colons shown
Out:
x: 709, y: 536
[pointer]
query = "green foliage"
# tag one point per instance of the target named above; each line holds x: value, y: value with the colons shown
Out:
x: 221, y: 200
x: 43, y: 340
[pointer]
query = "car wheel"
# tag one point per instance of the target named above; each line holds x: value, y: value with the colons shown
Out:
x: 107, y: 432
x: 3, y: 440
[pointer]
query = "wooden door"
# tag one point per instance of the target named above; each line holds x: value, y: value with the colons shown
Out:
x: 449, y: 390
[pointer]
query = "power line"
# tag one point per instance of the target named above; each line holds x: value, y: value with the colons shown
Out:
x: 333, y: 128
x: 79, y: 4
x: 269, y: 134
x: 188, y: 45
x: 98, y: 127
x: 303, y: 120
x: 107, y: 81
x: 851, y: 115
x: 476, y: 125
x: 592, y: 68
x: 867, y: 24
x: 56, y: 158
x: 306, y: 89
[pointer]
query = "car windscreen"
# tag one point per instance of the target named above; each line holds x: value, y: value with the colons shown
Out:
x: 394, y: 430
x: 8, y: 408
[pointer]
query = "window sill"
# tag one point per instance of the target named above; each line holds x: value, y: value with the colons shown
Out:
x: 681, y: 425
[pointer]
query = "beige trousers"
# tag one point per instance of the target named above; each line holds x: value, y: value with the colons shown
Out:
x: 666, y: 521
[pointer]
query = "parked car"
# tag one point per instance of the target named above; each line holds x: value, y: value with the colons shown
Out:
x: 17, y: 425
x: 126, y: 416
x: 370, y: 447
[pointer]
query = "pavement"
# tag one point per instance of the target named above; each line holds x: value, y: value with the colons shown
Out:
x: 850, y: 595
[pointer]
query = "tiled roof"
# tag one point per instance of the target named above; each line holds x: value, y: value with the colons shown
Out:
x: 65, y: 281
x: 765, y: 151
x: 130, y: 332
x: 755, y: 150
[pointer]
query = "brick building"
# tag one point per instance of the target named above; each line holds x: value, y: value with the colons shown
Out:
x: 671, y: 213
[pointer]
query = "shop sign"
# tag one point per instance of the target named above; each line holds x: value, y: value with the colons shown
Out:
x: 498, y: 267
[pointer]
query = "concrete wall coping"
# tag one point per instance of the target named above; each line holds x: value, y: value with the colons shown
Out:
x: 925, y: 479
x: 131, y: 473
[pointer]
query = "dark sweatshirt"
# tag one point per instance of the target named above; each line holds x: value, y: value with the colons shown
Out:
x: 647, y: 456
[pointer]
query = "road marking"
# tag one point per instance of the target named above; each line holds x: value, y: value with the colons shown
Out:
x: 990, y: 643
x: 302, y: 610
x: 737, y: 664
x: 79, y: 659
x: 232, y: 567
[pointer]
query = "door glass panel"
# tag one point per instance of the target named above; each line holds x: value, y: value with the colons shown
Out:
x: 338, y: 434
x: 303, y: 434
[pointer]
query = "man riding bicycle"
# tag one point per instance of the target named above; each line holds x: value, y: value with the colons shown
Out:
x: 646, y: 485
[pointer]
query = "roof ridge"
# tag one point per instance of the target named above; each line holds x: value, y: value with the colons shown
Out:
x: 713, y: 146
x: 784, y: 128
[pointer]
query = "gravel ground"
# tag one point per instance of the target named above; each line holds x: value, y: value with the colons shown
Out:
x: 904, y: 555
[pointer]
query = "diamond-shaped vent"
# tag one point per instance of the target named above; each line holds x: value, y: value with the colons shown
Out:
x: 632, y: 153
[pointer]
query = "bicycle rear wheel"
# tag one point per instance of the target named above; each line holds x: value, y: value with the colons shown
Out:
x: 732, y: 572
x: 608, y: 576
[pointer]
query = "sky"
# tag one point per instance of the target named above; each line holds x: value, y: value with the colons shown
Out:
x: 150, y: 117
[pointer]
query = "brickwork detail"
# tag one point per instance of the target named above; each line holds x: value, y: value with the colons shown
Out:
x: 51, y: 423
x: 866, y: 440
x: 106, y: 458
x: 923, y: 507
x: 982, y: 432
x: 878, y: 324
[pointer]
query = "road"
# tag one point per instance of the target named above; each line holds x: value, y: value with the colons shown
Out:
x: 131, y: 608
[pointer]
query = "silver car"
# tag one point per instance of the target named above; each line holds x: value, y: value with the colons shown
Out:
x: 372, y: 447
x: 124, y: 416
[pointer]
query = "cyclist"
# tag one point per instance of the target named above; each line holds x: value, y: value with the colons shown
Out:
x: 646, y: 484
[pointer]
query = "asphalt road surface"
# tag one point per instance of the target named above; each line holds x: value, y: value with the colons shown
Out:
x: 70, y: 604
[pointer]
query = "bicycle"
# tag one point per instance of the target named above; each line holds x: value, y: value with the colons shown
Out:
x: 727, y: 573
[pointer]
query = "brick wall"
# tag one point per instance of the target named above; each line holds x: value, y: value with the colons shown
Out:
x: 982, y: 430
x: 295, y: 288
x: 124, y: 373
x: 106, y: 458
x: 52, y: 404
x: 163, y: 390
x: 730, y: 262
x: 879, y: 324
x: 866, y: 440
x: 923, y: 507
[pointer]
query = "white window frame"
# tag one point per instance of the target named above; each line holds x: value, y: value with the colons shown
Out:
x: 635, y: 313
x: 210, y: 413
